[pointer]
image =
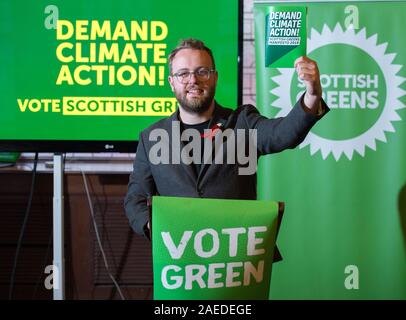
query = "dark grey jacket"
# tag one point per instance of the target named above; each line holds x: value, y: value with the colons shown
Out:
x: 214, y: 180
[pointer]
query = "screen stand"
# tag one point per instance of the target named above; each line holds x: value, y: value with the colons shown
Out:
x: 58, y: 230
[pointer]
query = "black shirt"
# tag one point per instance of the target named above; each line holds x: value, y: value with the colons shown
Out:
x: 199, y: 127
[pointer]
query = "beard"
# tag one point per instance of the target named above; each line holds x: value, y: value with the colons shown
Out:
x: 198, y: 104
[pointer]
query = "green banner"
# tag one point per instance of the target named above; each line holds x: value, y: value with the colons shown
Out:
x: 345, y: 186
x: 212, y: 248
x: 285, y: 35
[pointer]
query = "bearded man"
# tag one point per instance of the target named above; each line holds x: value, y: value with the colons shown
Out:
x: 193, y: 79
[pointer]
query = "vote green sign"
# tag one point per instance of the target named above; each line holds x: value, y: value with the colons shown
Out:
x: 212, y: 248
x: 345, y: 185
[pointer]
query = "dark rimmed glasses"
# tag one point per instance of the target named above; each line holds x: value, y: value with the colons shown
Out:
x: 201, y: 74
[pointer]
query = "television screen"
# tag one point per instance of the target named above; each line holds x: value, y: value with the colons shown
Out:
x: 91, y: 75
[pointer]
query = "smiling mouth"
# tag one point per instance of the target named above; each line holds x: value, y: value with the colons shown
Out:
x: 195, y: 92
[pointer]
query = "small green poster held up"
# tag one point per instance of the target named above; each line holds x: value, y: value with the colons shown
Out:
x: 285, y: 37
x: 213, y: 248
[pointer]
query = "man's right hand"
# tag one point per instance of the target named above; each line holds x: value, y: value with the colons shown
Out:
x: 308, y: 72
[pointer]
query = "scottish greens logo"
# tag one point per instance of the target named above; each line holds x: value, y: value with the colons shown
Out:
x: 360, y: 84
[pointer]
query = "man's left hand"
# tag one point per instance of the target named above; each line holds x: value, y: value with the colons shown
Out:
x: 308, y: 72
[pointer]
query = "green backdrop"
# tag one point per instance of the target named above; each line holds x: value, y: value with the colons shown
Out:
x: 345, y: 186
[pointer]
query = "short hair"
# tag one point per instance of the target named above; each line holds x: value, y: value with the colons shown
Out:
x: 190, y: 43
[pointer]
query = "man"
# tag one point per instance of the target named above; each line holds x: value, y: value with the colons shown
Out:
x: 193, y: 79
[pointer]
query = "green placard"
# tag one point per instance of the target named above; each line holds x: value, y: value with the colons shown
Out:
x: 285, y: 35
x: 9, y: 157
x: 212, y: 248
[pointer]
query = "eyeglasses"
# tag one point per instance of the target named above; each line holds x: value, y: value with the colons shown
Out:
x: 201, y: 74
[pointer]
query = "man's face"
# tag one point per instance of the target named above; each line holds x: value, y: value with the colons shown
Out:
x: 195, y: 95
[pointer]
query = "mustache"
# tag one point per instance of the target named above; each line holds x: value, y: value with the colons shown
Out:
x: 194, y: 87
